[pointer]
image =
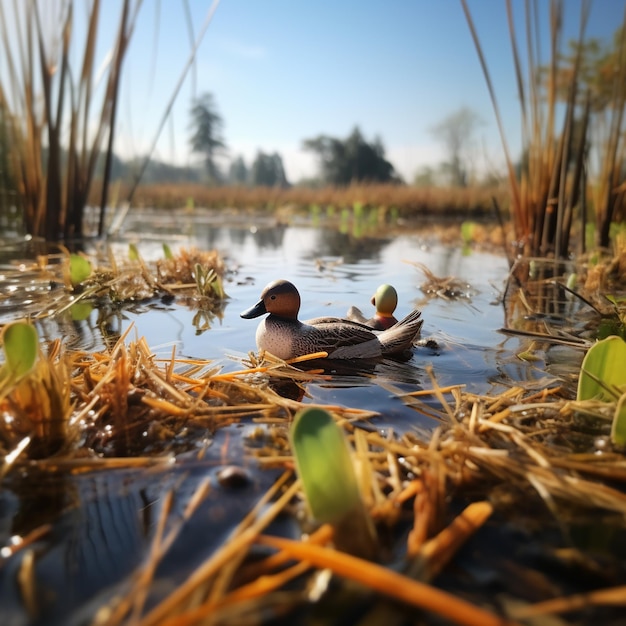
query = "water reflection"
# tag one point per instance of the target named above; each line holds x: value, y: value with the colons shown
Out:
x: 333, y: 269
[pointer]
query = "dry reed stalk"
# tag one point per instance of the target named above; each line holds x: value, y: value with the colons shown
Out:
x: 614, y: 596
x: 548, y: 194
x: 439, y: 551
x: 244, y: 535
x: 388, y: 583
x: 55, y: 195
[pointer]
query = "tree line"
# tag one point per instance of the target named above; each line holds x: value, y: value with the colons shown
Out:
x: 341, y: 161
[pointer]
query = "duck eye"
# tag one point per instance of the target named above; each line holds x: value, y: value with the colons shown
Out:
x: 272, y: 297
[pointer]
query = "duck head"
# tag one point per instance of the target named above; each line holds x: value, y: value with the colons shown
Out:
x: 385, y: 300
x: 279, y: 298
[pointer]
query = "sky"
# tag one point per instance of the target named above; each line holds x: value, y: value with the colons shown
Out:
x: 282, y: 71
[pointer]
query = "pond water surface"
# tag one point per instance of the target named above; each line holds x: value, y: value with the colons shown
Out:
x: 334, y: 270
x: 103, y: 523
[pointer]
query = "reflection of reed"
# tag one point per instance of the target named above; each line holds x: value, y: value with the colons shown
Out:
x: 108, y: 541
x: 100, y: 530
x: 537, y: 301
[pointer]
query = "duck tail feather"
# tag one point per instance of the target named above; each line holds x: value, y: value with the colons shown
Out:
x: 400, y: 337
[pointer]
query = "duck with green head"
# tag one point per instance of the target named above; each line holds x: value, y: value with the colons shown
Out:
x: 385, y: 300
x: 286, y: 337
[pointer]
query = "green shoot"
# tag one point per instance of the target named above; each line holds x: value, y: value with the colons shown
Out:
x: 167, y: 252
x: 208, y: 282
x: 133, y: 252
x: 325, y: 467
x: 603, y: 371
x: 21, y: 348
x: 80, y: 269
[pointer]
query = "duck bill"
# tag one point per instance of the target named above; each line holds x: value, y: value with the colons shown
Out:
x: 254, y: 311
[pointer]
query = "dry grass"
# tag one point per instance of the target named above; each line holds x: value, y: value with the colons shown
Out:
x: 494, y: 453
x: 402, y: 200
x: 59, y: 107
x: 50, y: 103
x: 510, y: 448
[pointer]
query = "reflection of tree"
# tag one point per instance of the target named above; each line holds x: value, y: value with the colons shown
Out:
x: 330, y: 242
x: 270, y: 238
x: 214, y: 236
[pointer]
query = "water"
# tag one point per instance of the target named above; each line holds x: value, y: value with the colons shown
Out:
x: 334, y: 267
x: 103, y: 523
x: 334, y: 270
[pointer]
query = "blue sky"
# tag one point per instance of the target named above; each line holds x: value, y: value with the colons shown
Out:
x: 285, y: 70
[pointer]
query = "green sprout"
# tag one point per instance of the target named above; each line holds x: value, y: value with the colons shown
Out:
x: 80, y: 269
x: 20, y: 342
x: 167, y: 252
x: 324, y: 464
x: 208, y: 282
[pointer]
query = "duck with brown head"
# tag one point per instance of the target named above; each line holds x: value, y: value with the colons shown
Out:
x: 286, y: 337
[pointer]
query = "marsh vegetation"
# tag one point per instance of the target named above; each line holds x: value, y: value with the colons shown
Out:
x: 151, y: 473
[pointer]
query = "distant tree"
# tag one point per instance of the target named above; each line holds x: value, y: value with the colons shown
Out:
x: 426, y: 176
x: 353, y: 159
x: 268, y: 170
x: 206, y: 138
x: 598, y: 73
x: 456, y: 132
x: 238, y: 173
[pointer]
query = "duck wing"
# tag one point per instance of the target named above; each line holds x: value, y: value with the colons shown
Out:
x: 338, y: 332
x: 318, y: 321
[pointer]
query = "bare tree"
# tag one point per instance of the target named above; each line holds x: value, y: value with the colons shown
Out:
x: 456, y: 132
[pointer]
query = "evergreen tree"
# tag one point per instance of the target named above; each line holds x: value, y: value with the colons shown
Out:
x: 207, y: 137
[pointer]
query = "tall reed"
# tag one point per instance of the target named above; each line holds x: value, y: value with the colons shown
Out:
x: 62, y: 115
x: 60, y: 126
x: 549, y: 189
x: 8, y: 195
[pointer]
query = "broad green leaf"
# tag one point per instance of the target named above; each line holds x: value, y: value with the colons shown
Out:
x: 618, y: 428
x: 21, y: 348
x: 603, y: 371
x: 324, y: 465
x: 80, y: 269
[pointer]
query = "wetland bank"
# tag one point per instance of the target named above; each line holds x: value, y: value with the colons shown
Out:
x: 154, y: 463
